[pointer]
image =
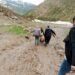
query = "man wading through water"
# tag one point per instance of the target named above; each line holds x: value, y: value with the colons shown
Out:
x: 48, y: 33
x: 69, y: 63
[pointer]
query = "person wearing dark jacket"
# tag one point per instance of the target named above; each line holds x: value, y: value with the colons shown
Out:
x: 69, y: 63
x: 48, y: 33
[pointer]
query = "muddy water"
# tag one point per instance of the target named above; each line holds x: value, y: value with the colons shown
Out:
x: 19, y: 56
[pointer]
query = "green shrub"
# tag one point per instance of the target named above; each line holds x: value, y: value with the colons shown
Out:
x: 17, y: 30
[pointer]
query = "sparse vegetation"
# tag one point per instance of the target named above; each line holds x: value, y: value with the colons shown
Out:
x: 48, y: 18
x: 17, y: 30
x: 55, y: 10
x: 14, y: 29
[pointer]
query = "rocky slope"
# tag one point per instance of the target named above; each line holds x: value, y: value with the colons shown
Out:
x: 18, y: 7
x: 55, y: 10
x: 9, y: 17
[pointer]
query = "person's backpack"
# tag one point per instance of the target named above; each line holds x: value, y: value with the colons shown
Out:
x: 37, y: 32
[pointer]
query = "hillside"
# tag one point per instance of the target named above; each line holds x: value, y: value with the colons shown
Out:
x: 9, y: 17
x: 18, y: 7
x: 55, y: 10
x: 6, y: 11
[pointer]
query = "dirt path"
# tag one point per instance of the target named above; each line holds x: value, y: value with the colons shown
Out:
x: 19, y: 56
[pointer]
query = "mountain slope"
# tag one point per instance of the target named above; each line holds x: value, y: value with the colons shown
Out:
x: 55, y: 10
x: 6, y: 11
x: 8, y: 17
x: 18, y: 6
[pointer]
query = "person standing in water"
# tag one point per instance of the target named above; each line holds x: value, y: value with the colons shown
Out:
x: 48, y: 33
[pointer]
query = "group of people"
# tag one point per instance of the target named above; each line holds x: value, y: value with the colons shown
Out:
x: 42, y: 36
x: 68, y: 64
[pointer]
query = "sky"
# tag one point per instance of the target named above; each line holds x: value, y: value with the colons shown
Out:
x: 36, y: 2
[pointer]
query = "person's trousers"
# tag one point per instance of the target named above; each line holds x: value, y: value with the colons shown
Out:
x: 37, y: 40
x: 65, y: 68
x: 47, y: 40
